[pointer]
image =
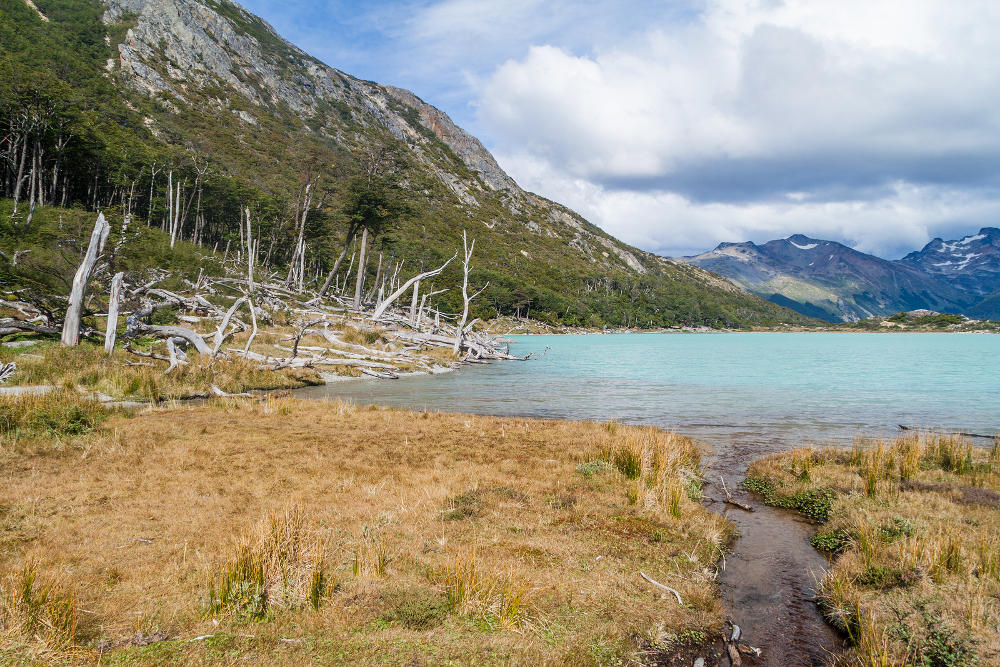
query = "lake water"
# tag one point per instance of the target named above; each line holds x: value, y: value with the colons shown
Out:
x: 782, y: 388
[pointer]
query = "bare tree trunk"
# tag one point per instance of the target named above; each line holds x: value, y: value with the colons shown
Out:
x: 382, y: 307
x: 112, y: 329
x: 378, y: 276
x: 300, y: 237
x: 466, y: 299
x: 20, y: 172
x: 359, y: 283
x: 32, y: 185
x: 336, y: 265
x: 153, y: 171
x: 413, y: 303
x: 175, y: 223
x: 71, y: 325
x: 251, y: 251
x: 170, y: 199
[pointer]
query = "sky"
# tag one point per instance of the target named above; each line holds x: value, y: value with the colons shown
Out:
x: 679, y: 124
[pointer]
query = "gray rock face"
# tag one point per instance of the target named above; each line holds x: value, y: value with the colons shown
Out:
x: 178, y: 44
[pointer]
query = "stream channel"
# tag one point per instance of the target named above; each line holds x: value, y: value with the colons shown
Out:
x: 744, y: 395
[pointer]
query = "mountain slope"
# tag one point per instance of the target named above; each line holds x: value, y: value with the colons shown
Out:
x: 240, y: 117
x: 827, y: 279
x: 970, y: 264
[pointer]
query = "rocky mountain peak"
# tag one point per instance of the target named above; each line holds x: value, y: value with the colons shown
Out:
x: 176, y: 49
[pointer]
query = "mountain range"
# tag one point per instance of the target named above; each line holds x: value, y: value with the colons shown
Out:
x: 831, y: 281
x: 241, y: 119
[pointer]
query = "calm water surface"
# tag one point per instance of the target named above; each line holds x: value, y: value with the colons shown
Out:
x: 785, y: 388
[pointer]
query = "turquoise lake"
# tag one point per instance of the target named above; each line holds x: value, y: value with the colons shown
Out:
x: 783, y: 389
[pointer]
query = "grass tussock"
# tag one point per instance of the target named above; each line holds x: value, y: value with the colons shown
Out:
x: 37, y: 612
x: 497, y: 599
x: 661, y: 469
x: 47, y: 419
x: 279, y: 564
x: 913, y: 527
x: 537, y: 564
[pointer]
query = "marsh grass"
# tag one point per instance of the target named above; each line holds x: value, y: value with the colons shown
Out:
x: 913, y: 527
x: 659, y: 468
x: 367, y: 565
x: 87, y: 368
x: 36, y: 610
x: 280, y: 563
x: 500, y: 598
x: 47, y: 420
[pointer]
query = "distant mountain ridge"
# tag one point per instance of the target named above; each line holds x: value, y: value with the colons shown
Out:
x: 829, y: 280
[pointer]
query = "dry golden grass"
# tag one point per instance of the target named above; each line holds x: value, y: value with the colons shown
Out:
x: 365, y: 535
x: 914, y: 530
x: 87, y: 368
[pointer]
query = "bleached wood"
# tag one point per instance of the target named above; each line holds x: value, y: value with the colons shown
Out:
x: 111, y: 330
x: 71, y: 324
x: 382, y: 307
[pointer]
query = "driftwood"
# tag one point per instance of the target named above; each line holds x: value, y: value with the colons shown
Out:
x: 666, y: 588
x: 148, y: 355
x: 734, y: 654
x: 169, y: 331
x: 732, y: 501
x: 7, y: 370
x: 112, y: 328
x: 71, y: 323
x: 301, y: 362
x: 959, y: 433
x: 9, y: 325
x: 176, y: 355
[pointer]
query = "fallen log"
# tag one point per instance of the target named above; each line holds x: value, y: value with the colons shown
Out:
x: 148, y: 355
x: 170, y: 331
x: 382, y: 307
x: 10, y: 325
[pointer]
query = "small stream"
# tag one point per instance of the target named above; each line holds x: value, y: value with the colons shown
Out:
x: 769, y: 579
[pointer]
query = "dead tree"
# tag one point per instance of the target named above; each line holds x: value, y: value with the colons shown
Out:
x: 359, y: 283
x: 252, y: 248
x: 389, y: 300
x: 295, y: 268
x: 112, y: 328
x: 71, y: 324
x: 466, y: 299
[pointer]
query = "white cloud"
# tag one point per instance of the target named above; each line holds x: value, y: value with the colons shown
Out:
x: 671, y: 224
x: 859, y: 120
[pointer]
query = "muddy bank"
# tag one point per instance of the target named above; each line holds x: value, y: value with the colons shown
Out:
x: 769, y: 579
